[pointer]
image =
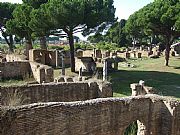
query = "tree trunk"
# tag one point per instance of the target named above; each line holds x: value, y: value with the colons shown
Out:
x: 11, y: 47
x: 71, y: 44
x: 167, y: 52
x: 10, y: 43
x: 43, y: 44
x: 169, y: 41
x: 28, y: 46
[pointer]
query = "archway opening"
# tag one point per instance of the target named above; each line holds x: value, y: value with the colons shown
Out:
x: 135, y: 128
x: 132, y: 129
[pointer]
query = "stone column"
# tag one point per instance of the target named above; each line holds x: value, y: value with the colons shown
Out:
x: 0, y: 75
x: 140, y: 48
x: 0, y: 100
x: 63, y: 66
x: 94, y: 52
x: 57, y: 56
x: 80, y: 72
x: 105, y: 70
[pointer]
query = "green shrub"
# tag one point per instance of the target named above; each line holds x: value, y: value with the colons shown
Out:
x: 106, y: 46
x: 55, y: 47
x: 83, y: 46
x: 36, y: 46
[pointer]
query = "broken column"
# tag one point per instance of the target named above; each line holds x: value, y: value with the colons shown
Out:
x: 0, y: 100
x: 80, y: 74
x: 105, y: 70
x: 0, y: 75
x: 63, y: 66
x: 57, y: 56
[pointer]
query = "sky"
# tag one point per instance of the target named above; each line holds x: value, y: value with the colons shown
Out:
x: 124, y: 8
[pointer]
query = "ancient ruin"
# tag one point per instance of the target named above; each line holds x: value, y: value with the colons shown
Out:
x: 62, y: 106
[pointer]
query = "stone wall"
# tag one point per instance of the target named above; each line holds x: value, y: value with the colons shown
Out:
x: 58, y: 92
x: 18, y: 69
x: 43, y: 56
x: 109, y: 116
x: 24, y: 69
x: 42, y: 73
x: 86, y: 63
x: 15, y: 57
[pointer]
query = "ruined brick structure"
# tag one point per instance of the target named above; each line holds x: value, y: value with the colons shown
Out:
x: 23, y: 69
x: 108, y: 116
x: 59, y: 92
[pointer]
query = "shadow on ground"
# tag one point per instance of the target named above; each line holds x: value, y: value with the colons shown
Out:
x: 167, y: 84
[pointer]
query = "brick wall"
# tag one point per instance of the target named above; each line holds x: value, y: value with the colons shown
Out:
x: 42, y: 73
x: 58, y: 92
x: 109, y: 116
x: 15, y: 69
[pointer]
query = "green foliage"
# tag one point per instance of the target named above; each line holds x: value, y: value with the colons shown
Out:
x: 36, y: 46
x: 116, y: 34
x: 20, y: 24
x: 6, y: 10
x: 19, y: 47
x: 35, y: 3
x: 131, y: 129
x: 159, y: 18
x: 66, y: 48
x: 74, y: 16
x: 4, y: 47
x: 96, y: 38
x: 40, y: 22
x: 106, y: 46
x: 83, y: 46
x: 55, y: 47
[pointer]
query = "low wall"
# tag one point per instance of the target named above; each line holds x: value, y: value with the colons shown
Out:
x: 94, y: 117
x: 17, y: 69
x: 15, y: 57
x: 57, y: 92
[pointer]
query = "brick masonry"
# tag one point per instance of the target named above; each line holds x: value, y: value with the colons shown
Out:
x: 107, y: 116
x: 58, y: 92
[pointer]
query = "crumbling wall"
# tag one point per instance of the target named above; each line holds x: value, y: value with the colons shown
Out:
x: 43, y: 56
x: 42, y: 73
x: 94, y: 117
x: 18, y: 69
x: 58, y: 92
x: 15, y: 57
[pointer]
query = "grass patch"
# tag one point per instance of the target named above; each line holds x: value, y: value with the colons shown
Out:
x: 165, y: 79
x: 17, y: 82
